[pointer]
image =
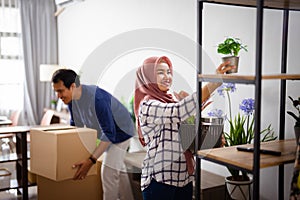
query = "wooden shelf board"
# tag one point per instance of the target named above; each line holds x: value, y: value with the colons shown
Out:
x: 231, y: 156
x: 249, y: 77
x: 273, y: 4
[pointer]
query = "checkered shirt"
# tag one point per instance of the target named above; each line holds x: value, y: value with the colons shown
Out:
x: 164, y: 160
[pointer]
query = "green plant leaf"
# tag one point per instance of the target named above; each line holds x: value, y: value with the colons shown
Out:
x: 231, y: 46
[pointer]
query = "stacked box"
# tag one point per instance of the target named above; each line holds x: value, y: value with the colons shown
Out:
x: 54, y: 150
x: 90, y: 188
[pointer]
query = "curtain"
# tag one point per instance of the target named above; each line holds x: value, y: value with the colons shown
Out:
x: 39, y: 31
x: 11, y: 83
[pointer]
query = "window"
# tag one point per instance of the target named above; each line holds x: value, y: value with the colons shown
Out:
x: 11, y: 62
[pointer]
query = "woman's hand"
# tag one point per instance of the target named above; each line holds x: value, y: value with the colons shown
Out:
x: 209, y: 88
x: 181, y: 95
x: 223, y: 68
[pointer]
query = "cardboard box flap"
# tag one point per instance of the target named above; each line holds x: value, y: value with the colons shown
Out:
x: 53, y: 127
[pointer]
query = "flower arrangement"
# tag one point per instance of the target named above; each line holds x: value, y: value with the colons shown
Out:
x: 241, y: 127
x: 296, y: 104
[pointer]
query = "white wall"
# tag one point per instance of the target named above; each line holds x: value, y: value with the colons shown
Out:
x: 86, y: 27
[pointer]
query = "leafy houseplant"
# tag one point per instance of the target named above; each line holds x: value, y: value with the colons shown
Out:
x: 296, y: 104
x: 231, y: 46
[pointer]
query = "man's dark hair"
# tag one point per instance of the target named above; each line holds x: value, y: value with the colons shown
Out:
x: 67, y: 76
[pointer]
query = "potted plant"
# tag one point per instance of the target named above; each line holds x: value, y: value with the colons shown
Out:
x: 241, y: 131
x: 211, y: 137
x: 53, y: 104
x: 296, y: 104
x: 187, y: 130
x: 231, y: 46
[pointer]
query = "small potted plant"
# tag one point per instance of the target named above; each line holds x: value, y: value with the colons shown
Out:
x: 187, y: 130
x: 231, y: 46
x: 53, y: 104
x: 296, y: 104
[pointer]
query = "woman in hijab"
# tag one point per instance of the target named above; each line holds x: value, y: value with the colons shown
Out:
x: 167, y: 171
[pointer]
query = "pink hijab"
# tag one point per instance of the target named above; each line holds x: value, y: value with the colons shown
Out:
x: 146, y: 86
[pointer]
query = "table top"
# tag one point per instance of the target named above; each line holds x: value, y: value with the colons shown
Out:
x: 24, y: 129
x: 14, y: 129
x: 4, y: 121
x: 230, y: 155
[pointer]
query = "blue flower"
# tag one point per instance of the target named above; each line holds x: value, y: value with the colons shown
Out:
x: 247, y: 106
x: 241, y: 127
x: 216, y: 113
x: 226, y: 87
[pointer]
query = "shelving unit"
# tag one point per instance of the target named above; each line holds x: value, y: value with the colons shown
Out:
x: 255, y: 80
x: 20, y: 158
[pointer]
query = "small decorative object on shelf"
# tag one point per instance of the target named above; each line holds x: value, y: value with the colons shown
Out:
x: 296, y: 104
x: 231, y: 46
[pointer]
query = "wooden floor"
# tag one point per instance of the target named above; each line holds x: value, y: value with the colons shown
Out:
x: 12, y: 194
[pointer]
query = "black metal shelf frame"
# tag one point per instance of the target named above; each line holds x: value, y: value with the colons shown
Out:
x: 20, y: 158
x: 258, y: 87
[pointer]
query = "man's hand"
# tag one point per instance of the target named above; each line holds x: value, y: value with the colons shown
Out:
x: 83, y: 168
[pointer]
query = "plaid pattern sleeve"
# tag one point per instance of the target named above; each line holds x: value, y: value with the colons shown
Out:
x: 164, y: 160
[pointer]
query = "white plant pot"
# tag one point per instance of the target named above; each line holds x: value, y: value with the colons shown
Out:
x: 238, y: 189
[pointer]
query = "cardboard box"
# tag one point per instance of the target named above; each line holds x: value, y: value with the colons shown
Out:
x: 31, y: 177
x: 54, y: 149
x: 90, y: 188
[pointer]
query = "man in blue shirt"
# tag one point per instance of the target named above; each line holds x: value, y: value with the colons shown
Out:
x: 93, y: 107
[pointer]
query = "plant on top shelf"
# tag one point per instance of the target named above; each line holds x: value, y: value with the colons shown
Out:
x: 241, y: 127
x: 296, y: 104
x: 231, y: 46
